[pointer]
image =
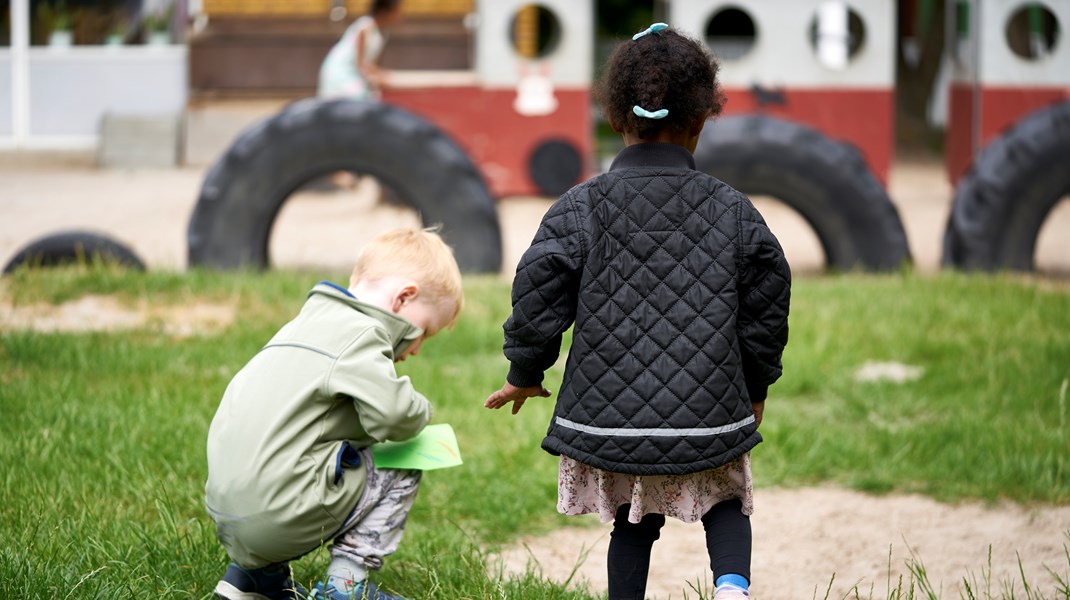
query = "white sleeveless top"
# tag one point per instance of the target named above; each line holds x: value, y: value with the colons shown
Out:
x: 339, y: 76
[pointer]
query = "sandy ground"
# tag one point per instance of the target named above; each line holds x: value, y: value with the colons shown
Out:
x: 802, y: 536
x: 149, y: 210
x: 105, y: 313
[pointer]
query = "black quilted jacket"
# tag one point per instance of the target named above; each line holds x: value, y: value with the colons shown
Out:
x: 679, y: 293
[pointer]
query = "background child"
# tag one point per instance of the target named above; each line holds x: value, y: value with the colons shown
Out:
x: 351, y: 68
x: 289, y: 465
x: 679, y: 293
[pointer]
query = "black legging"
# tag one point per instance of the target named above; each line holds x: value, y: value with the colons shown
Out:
x: 728, y: 540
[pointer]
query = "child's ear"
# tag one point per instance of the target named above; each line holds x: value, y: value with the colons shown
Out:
x: 406, y: 294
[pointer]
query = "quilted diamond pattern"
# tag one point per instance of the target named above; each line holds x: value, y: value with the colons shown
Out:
x: 679, y: 294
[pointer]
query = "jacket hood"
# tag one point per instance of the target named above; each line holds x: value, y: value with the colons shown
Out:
x: 402, y: 333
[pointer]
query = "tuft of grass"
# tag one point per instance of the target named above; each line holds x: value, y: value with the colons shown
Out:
x: 917, y: 584
x: 102, y: 433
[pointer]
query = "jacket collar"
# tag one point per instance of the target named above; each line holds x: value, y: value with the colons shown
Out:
x: 654, y: 154
x: 400, y: 330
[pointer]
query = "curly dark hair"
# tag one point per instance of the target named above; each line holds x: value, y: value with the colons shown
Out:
x: 666, y: 70
x: 380, y: 6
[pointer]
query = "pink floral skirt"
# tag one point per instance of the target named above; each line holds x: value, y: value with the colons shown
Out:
x: 582, y: 489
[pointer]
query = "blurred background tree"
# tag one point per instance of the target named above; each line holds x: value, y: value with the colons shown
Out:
x: 622, y: 18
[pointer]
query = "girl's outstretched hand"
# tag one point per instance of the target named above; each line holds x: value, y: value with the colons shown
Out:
x: 516, y: 395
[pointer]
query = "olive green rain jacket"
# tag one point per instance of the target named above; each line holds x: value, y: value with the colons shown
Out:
x: 283, y: 467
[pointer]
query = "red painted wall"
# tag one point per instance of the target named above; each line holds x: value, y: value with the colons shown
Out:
x: 1001, y: 108
x: 498, y: 139
x: 865, y: 118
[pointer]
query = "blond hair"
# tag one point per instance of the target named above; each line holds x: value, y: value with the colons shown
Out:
x: 417, y: 253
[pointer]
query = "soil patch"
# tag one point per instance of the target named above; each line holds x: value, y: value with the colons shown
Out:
x: 106, y: 313
x: 802, y: 537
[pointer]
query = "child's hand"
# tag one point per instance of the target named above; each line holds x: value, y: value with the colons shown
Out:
x: 516, y: 395
x: 758, y: 408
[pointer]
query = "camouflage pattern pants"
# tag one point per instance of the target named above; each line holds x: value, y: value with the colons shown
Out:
x: 373, y: 530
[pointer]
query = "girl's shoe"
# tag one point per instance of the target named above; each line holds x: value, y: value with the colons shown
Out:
x: 269, y: 583
x: 364, y: 590
x: 731, y: 592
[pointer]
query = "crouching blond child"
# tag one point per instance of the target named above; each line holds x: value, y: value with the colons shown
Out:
x: 289, y: 463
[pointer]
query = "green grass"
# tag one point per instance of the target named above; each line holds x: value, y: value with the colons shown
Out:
x: 985, y: 420
x: 102, y: 434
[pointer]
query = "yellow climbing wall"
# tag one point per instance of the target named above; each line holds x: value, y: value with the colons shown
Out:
x: 526, y: 31
x: 322, y: 7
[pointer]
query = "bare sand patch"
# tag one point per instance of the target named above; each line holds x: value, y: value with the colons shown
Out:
x: 149, y: 210
x: 804, y: 536
x: 107, y: 313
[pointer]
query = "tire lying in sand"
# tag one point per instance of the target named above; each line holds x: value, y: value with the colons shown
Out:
x: 245, y: 189
x: 827, y: 182
x: 1001, y: 203
x: 73, y: 247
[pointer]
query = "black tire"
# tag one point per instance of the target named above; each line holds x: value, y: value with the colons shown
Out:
x: 1001, y: 203
x: 825, y: 181
x: 245, y: 189
x: 73, y: 247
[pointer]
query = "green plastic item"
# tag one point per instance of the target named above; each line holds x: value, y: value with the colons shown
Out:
x: 434, y: 448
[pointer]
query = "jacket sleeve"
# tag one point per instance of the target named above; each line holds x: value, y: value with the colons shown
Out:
x: 765, y: 294
x: 388, y: 405
x: 544, y: 295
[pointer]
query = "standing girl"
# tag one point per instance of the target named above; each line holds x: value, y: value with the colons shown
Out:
x: 351, y: 68
x: 679, y: 294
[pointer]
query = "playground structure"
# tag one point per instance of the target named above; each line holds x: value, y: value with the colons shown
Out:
x: 810, y: 115
x: 1008, y: 137
x: 828, y: 65
x: 523, y: 116
x: 1008, y: 59
x: 810, y: 119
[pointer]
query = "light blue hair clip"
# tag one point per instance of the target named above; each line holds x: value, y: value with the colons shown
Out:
x: 657, y: 114
x: 656, y: 27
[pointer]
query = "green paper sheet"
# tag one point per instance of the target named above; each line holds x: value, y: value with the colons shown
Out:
x: 434, y: 448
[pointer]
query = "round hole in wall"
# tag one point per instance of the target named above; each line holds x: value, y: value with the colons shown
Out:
x: 1032, y: 31
x: 837, y: 34
x: 535, y: 31
x: 555, y: 166
x: 731, y: 33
